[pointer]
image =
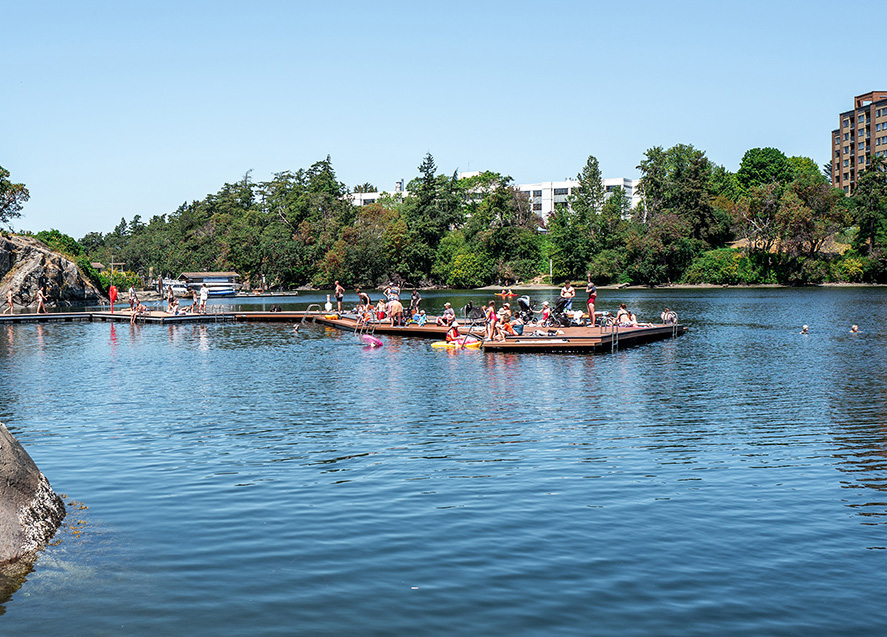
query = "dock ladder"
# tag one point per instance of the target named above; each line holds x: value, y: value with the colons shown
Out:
x: 309, y: 313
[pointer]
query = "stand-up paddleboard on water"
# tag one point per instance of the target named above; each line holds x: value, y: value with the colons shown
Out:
x: 372, y: 341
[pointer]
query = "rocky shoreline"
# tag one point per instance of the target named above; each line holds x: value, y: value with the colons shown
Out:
x: 27, y: 264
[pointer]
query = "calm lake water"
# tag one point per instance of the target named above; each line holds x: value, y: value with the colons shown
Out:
x: 246, y: 480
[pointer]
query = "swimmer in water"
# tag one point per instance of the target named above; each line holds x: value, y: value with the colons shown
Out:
x: 854, y: 329
x: 804, y: 329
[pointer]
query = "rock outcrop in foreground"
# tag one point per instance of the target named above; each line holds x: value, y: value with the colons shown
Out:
x: 30, y: 511
x: 26, y: 264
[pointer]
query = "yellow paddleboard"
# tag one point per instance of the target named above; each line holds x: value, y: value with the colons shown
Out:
x: 448, y: 345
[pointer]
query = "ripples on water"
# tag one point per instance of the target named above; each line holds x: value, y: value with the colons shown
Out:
x: 243, y: 479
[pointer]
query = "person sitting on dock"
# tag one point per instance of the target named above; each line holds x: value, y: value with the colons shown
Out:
x: 623, y: 316
x: 139, y: 308
x: 546, y: 313
x: 453, y: 333
x: 448, y: 317
x: 173, y: 307
x: 419, y: 318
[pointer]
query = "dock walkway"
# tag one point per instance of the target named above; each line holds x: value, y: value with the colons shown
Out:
x: 539, y: 339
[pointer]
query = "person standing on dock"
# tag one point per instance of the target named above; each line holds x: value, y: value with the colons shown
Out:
x: 568, y: 292
x: 41, y: 300
x: 415, y: 299
x: 132, y: 299
x: 490, y: 321
x: 592, y: 297
x: 9, y: 301
x: 363, y: 298
x: 339, y: 293
x: 204, y: 295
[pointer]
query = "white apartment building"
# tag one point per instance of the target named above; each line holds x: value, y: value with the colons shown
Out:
x: 543, y: 196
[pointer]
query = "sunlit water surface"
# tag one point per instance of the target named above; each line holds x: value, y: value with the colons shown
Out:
x: 243, y: 479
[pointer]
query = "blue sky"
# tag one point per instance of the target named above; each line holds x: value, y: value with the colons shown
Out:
x: 112, y: 109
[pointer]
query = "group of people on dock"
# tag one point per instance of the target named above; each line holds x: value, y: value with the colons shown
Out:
x: 198, y: 302
x: 497, y: 323
x: 389, y: 307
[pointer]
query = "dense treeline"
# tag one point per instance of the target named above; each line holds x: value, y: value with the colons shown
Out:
x: 776, y: 220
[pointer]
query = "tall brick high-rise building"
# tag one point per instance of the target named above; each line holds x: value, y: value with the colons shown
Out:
x: 862, y: 132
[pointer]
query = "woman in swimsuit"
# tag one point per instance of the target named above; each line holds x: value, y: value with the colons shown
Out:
x: 490, y: 320
x: 592, y: 296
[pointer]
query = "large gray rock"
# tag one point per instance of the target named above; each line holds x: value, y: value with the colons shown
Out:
x: 26, y: 264
x: 30, y: 511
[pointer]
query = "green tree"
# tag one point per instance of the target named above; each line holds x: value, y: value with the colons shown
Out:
x: 588, y: 198
x: 12, y: 197
x: 869, y: 207
x: 761, y: 166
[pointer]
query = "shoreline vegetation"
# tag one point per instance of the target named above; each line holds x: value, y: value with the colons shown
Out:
x: 776, y: 221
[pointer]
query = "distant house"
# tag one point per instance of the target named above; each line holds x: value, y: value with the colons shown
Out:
x: 218, y: 283
x: 99, y: 267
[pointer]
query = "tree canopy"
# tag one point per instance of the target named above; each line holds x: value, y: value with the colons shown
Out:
x: 776, y: 220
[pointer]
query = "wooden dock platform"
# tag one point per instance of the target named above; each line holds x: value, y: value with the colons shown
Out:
x: 584, y: 339
x: 538, y: 339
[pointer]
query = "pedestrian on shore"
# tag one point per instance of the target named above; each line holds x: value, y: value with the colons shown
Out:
x: 41, y: 300
x: 340, y: 294
x: 9, y: 301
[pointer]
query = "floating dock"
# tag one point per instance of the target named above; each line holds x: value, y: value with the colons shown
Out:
x: 583, y: 339
x: 538, y: 339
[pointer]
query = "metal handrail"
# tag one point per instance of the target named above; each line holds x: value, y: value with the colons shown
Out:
x: 309, y: 312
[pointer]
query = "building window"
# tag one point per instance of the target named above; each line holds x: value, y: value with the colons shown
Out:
x: 846, y: 162
x: 537, y: 206
x: 846, y: 149
x: 537, y: 193
x: 846, y: 123
x: 561, y: 191
x: 846, y: 136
